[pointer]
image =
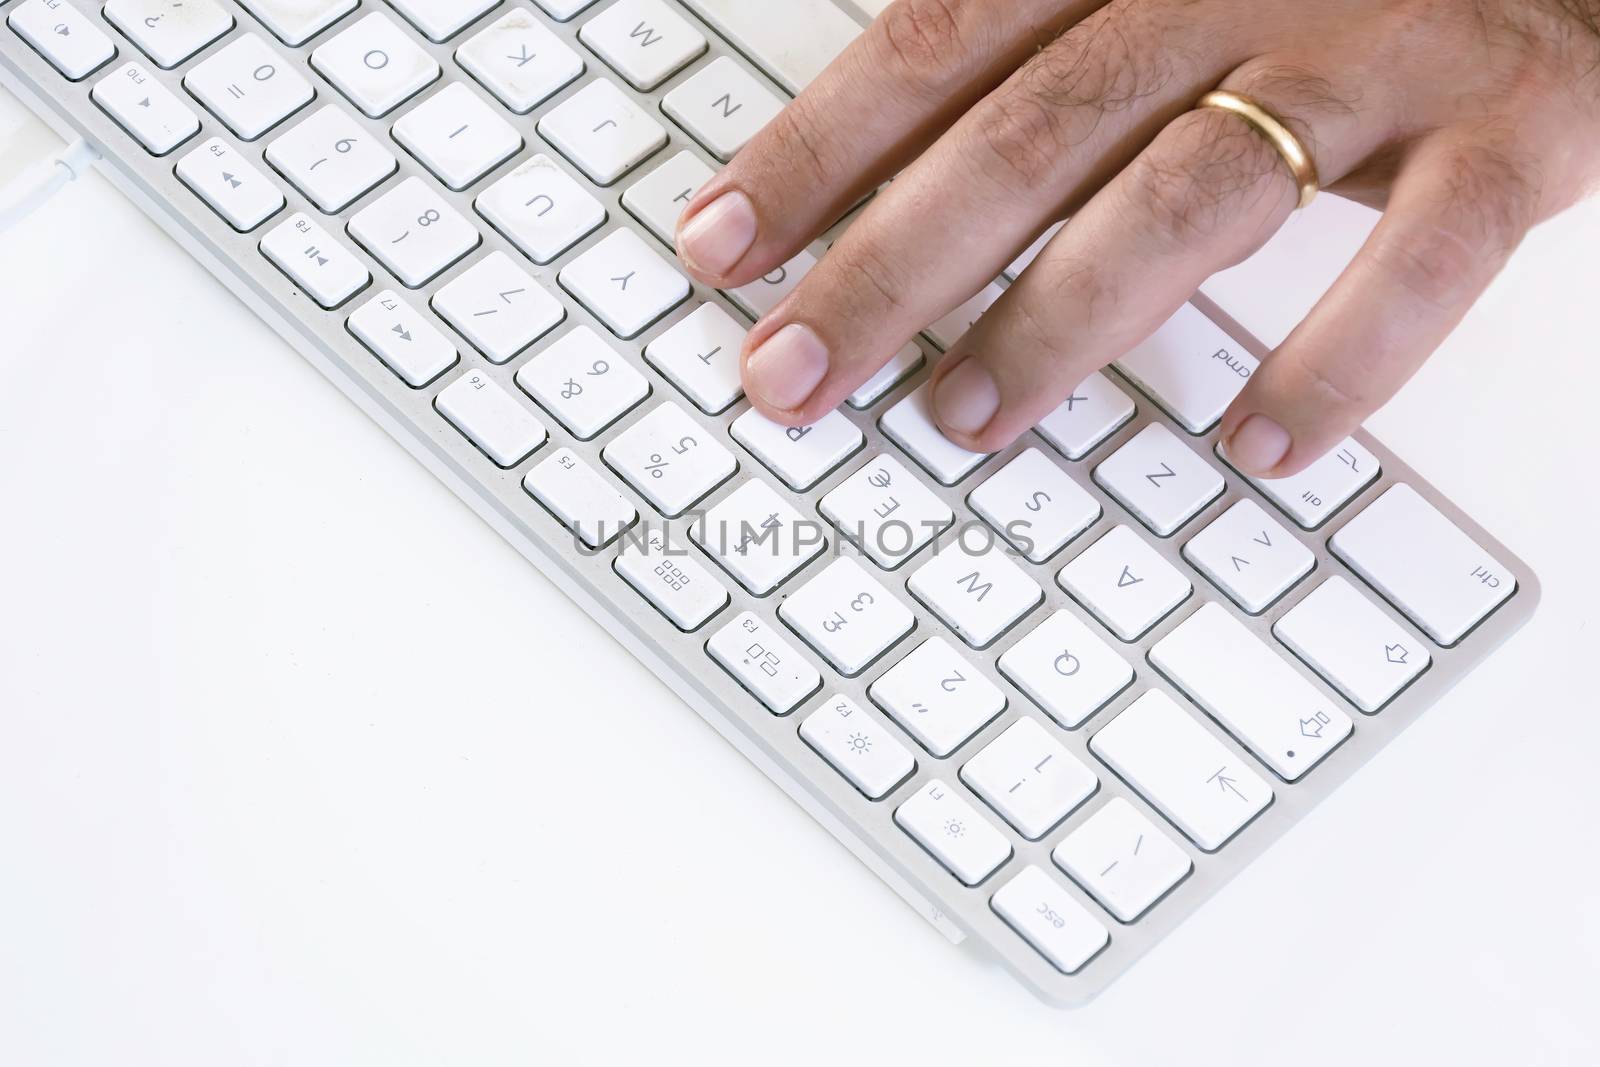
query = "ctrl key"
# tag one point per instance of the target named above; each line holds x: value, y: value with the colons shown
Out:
x: 314, y: 261
x: 1061, y: 929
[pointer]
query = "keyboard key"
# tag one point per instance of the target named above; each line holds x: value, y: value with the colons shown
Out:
x: 375, y: 64
x: 658, y: 199
x: 144, y: 107
x: 1160, y: 479
x: 248, y: 86
x: 625, y: 283
x: 580, y: 498
x: 940, y: 820
x: 1029, y: 778
x: 295, y: 22
x: 440, y: 20
x: 62, y: 34
x: 886, y: 512
x: 491, y: 418
x: 663, y: 572
x: 643, y: 40
x: 602, y: 132
x: 910, y: 425
x: 169, y: 31
x: 1122, y: 860
x: 722, y: 105
x: 1066, y: 669
x: 1125, y: 583
x: 766, y: 664
x: 1185, y: 773
x: 801, y: 456
x: 1035, y: 505
x: 700, y: 355
x: 1058, y: 927
x: 1191, y: 368
x: 1421, y: 562
x: 792, y: 41
x: 583, y: 382
x: 413, y: 232
x: 1031, y: 253
x: 403, y: 339
x: 519, y: 60
x: 847, y: 616
x: 937, y: 697
x: 540, y: 209
x: 1313, y: 496
x: 331, y: 159
x: 1249, y: 556
x: 314, y: 261
x: 1095, y: 410
x: 948, y: 330
x: 1352, y: 644
x: 563, y: 10
x: 670, y: 460
x: 857, y: 746
x: 979, y: 594
x: 767, y: 292
x: 497, y: 307
x: 229, y: 185
x: 758, y: 537
x: 457, y: 136
x: 903, y: 364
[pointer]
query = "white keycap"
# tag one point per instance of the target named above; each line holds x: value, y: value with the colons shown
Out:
x: 948, y: 330
x: 1423, y: 564
x: 297, y: 21
x: 1189, y: 776
x: 540, y: 209
x: 1093, y: 412
x: 700, y: 355
x: 847, y: 616
x: 603, y: 132
x: 1244, y: 684
x: 1313, y: 496
x: 1346, y: 639
x: 441, y: 20
x: 965, y: 843
x: 1029, y: 778
x: 1035, y: 505
x: 1066, y: 669
x: 765, y: 663
x: 583, y: 382
x: 376, y: 64
x: 671, y: 460
x: 885, y: 511
x: 1122, y: 860
x: 857, y: 746
x: 662, y: 571
x: 1249, y: 556
x: 758, y: 537
x: 1126, y: 584
x: 937, y: 697
x: 643, y: 40
x: 144, y: 107
x: 331, y: 159
x: 62, y: 34
x: 658, y: 199
x: 767, y: 292
x: 491, y: 418
x: 230, y: 185
x: 580, y: 498
x: 792, y: 41
x: 314, y: 261
x: 901, y: 366
x: 1160, y: 479
x: 413, y: 232
x: 169, y: 31
x: 1031, y: 253
x: 403, y: 339
x: 722, y: 105
x: 801, y: 456
x: 519, y: 60
x: 1191, y: 368
x: 249, y: 86
x: 625, y: 283
x: 1060, y: 928
x: 457, y: 136
x: 563, y: 10
x: 977, y: 591
x: 497, y: 307
x: 910, y: 425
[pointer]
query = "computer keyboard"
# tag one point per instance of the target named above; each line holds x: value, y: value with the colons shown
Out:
x: 1055, y: 697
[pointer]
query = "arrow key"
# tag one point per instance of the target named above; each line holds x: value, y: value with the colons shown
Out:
x: 1249, y: 556
x: 403, y: 339
x: 229, y: 185
x: 1357, y: 647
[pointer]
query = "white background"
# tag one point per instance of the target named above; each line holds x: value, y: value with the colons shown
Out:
x: 300, y: 764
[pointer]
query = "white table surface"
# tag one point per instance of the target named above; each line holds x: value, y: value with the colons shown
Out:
x: 301, y: 764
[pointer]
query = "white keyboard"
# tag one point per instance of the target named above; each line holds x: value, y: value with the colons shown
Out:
x: 1056, y: 697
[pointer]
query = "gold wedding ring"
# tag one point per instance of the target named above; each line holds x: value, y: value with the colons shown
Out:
x: 1268, y: 125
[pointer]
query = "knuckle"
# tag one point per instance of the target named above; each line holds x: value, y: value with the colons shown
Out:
x: 1024, y: 135
x: 870, y: 276
x: 919, y: 38
x: 1200, y: 176
x: 1336, y: 386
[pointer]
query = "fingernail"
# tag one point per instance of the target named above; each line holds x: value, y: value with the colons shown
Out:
x: 719, y: 235
x: 967, y: 398
x: 1258, y: 445
x: 786, y: 370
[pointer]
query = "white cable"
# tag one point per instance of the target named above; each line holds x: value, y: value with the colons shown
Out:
x: 22, y: 196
